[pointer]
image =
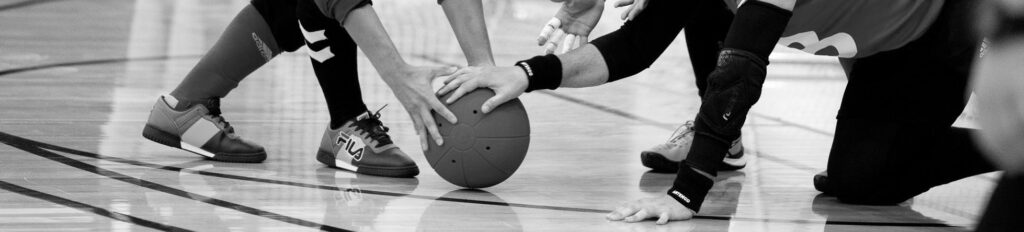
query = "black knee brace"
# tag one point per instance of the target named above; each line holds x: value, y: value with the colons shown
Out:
x: 733, y: 88
x: 280, y: 16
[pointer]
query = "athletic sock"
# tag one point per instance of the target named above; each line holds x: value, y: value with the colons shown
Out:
x: 245, y: 45
x: 338, y: 72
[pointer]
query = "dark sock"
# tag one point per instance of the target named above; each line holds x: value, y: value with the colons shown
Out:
x: 338, y: 74
x: 245, y: 45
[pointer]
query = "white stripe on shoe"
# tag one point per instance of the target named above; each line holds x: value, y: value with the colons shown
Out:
x: 194, y: 149
x: 345, y: 165
x: 198, y: 134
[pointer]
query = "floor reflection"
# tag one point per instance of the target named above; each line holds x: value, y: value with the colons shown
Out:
x: 838, y: 216
x: 351, y: 208
x: 445, y: 216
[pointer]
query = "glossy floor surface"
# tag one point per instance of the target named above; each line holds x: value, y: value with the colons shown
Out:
x: 77, y: 80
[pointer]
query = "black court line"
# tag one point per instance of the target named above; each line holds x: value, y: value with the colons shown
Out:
x: 35, y: 148
x: 88, y: 208
x: 25, y: 3
x: 5, y: 136
x: 24, y: 142
x: 94, y: 62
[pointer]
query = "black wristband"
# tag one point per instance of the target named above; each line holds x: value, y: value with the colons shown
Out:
x: 542, y: 72
x: 690, y: 187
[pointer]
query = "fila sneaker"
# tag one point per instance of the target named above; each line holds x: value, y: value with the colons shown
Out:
x: 197, y: 127
x: 362, y: 145
x: 666, y: 157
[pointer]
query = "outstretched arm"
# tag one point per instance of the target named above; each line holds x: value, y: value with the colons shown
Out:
x: 622, y: 53
x: 411, y: 84
x: 467, y: 20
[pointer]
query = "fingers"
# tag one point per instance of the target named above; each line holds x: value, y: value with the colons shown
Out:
x: 443, y: 111
x: 637, y: 8
x: 452, y: 77
x: 462, y: 90
x: 545, y: 32
x: 500, y: 97
x: 638, y: 216
x: 443, y: 71
x: 625, y: 14
x: 568, y: 43
x: 622, y: 3
x: 420, y: 130
x: 663, y: 218
x: 552, y: 44
x: 450, y: 85
x: 621, y: 212
x: 431, y: 125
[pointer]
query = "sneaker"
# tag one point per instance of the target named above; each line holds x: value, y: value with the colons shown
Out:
x: 666, y: 157
x: 362, y: 145
x: 197, y: 127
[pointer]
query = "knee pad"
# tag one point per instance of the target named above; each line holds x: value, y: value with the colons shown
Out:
x: 280, y: 16
x: 732, y: 89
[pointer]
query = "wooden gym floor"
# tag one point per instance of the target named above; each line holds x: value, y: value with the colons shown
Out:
x: 77, y: 79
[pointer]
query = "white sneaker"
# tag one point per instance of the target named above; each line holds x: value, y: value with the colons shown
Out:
x: 666, y: 157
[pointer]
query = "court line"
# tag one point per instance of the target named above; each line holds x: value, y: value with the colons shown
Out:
x: 26, y: 3
x: 87, y: 207
x: 334, y: 188
x: 94, y: 62
x: 34, y: 147
x: 24, y: 142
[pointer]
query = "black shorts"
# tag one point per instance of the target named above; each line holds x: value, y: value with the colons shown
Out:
x: 922, y: 82
x: 894, y: 138
x: 283, y: 18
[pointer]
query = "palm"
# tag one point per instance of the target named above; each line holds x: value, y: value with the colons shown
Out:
x: 580, y: 17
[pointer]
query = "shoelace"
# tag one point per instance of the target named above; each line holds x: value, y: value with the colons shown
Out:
x: 213, y: 106
x: 374, y: 128
x: 681, y: 132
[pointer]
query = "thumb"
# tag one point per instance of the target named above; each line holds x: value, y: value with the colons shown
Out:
x: 495, y: 101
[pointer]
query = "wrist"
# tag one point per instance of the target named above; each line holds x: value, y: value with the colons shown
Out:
x: 486, y: 63
x: 542, y: 72
x: 690, y: 187
x: 390, y: 73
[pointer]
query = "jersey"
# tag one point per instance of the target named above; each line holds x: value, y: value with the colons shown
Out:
x: 856, y: 28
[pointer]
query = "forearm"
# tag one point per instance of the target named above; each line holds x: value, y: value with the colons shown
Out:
x: 467, y: 20
x: 367, y: 31
x: 628, y: 50
x: 583, y: 67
